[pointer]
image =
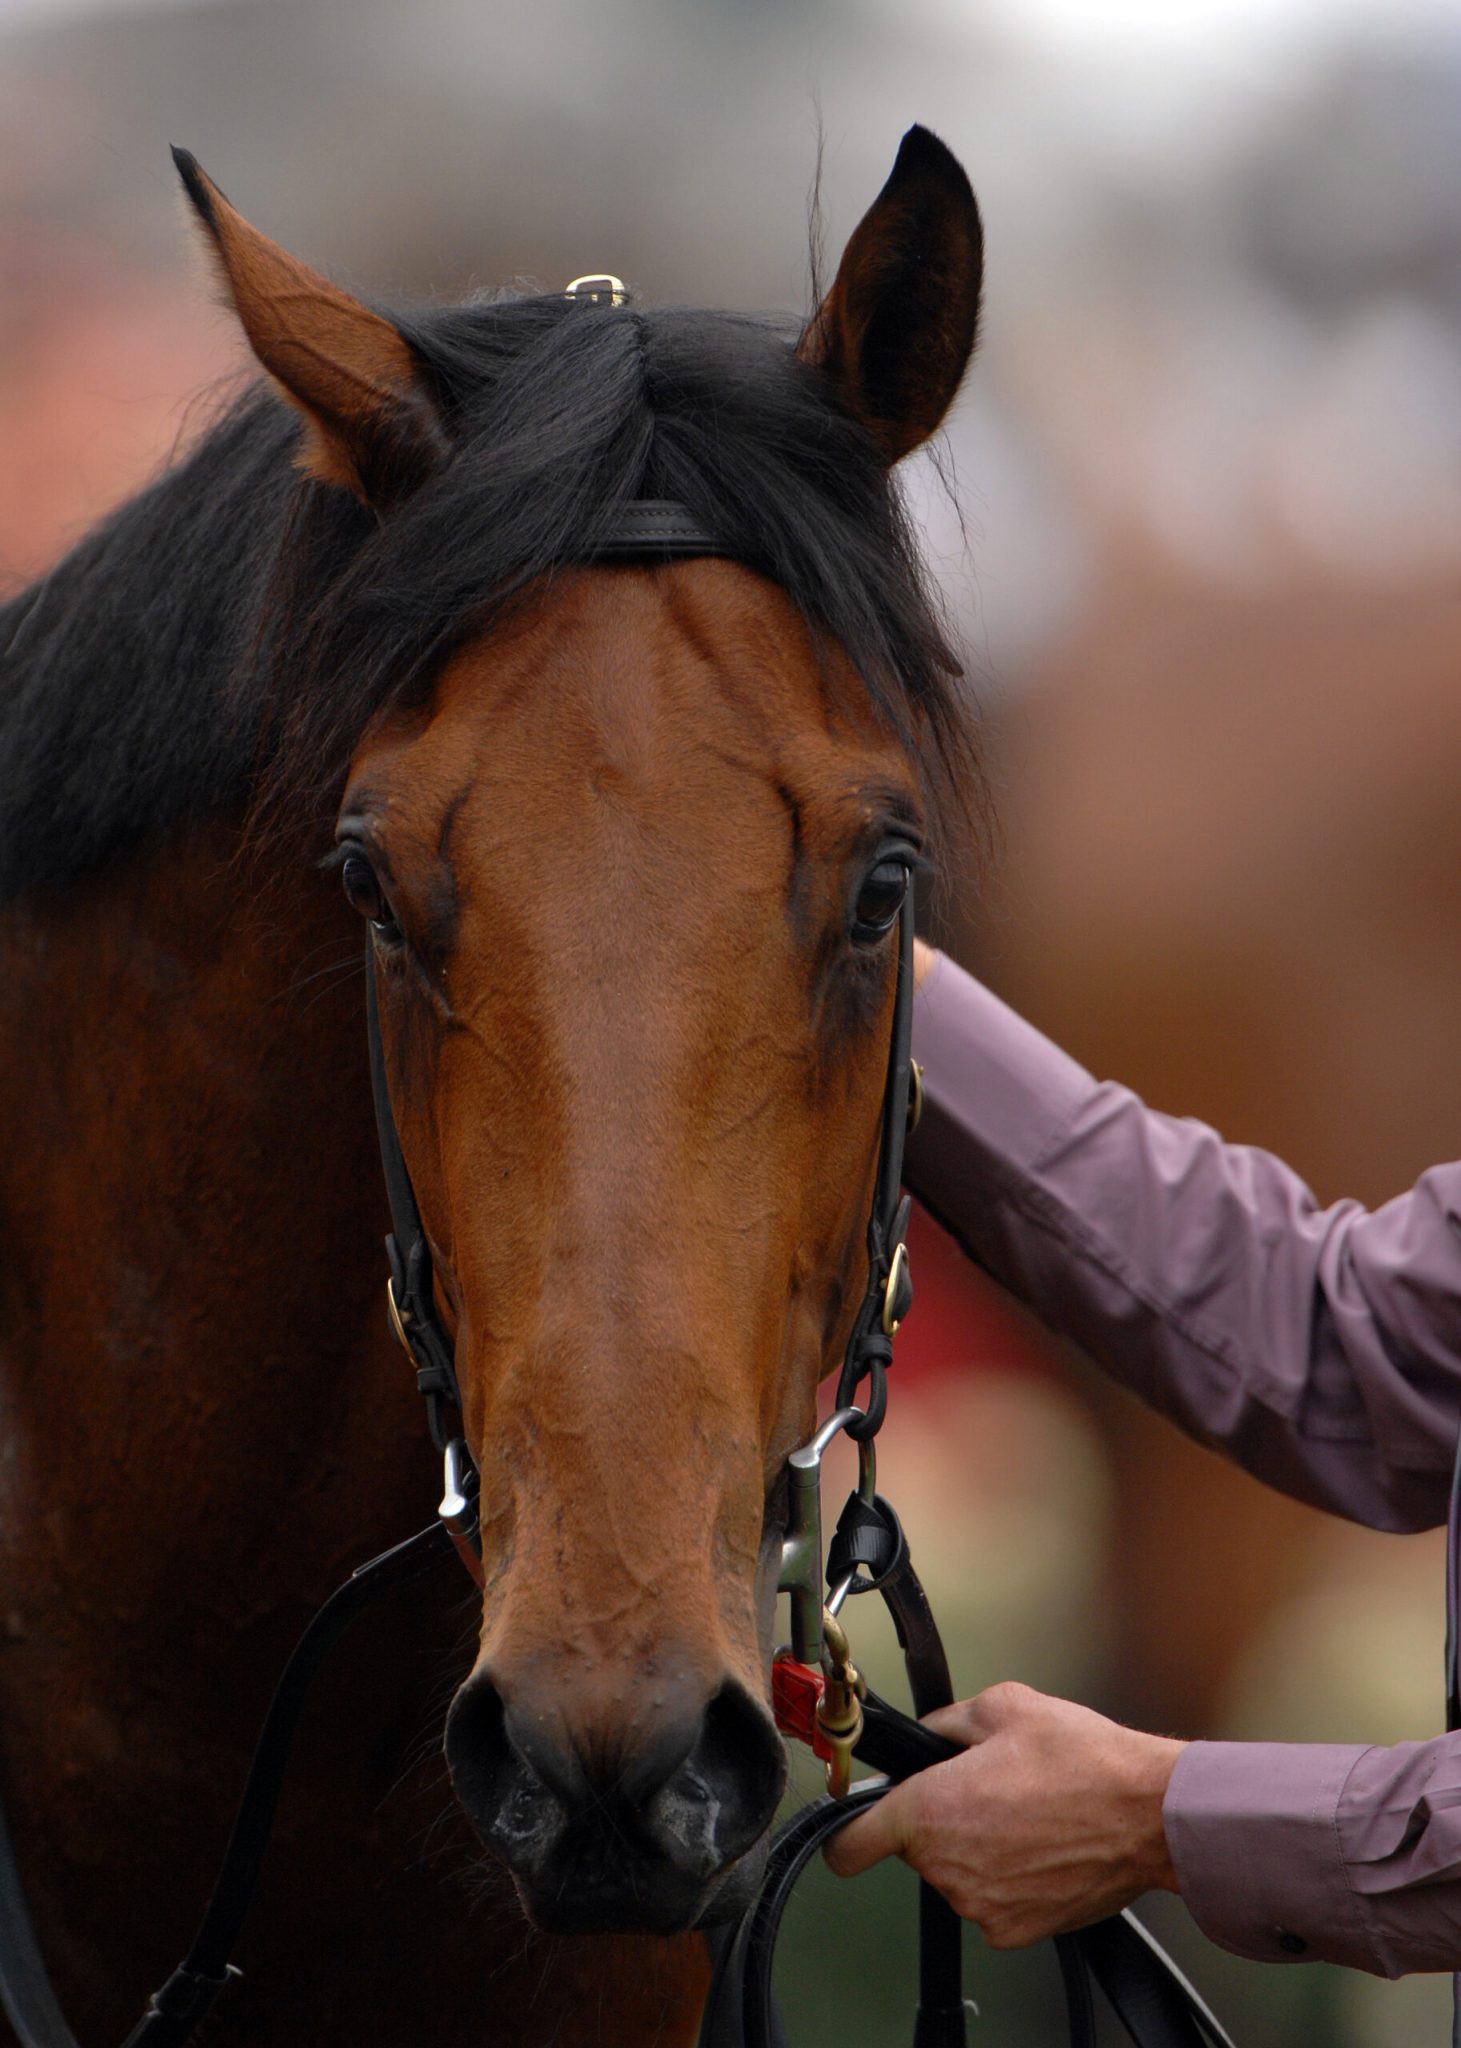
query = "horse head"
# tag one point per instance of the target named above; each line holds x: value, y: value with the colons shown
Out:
x: 630, y: 842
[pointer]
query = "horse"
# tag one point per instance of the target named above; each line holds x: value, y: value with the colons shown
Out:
x: 626, y: 841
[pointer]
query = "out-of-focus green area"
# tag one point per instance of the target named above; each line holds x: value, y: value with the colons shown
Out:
x: 1209, y: 473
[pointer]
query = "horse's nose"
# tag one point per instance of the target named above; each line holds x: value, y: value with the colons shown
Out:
x: 606, y: 1828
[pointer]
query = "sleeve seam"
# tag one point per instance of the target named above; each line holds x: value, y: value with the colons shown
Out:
x: 1363, y: 1921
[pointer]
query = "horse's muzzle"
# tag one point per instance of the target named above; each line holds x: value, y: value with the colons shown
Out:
x: 635, y: 1833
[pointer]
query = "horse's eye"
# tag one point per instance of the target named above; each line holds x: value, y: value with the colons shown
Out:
x: 364, y: 892
x: 879, y: 900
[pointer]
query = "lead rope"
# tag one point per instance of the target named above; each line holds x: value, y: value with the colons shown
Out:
x: 1146, y: 1991
x: 176, y: 2010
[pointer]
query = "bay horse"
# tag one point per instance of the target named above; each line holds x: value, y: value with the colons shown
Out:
x: 629, y: 840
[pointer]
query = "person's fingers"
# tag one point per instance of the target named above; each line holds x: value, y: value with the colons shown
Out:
x: 882, y: 1831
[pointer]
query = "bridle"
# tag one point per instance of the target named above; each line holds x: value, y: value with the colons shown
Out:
x: 819, y: 1696
x: 658, y: 529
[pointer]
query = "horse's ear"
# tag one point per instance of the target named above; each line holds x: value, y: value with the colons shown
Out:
x: 374, y: 425
x: 896, y: 331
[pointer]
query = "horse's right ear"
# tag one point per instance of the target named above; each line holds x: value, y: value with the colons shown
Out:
x: 896, y: 331
x: 374, y: 426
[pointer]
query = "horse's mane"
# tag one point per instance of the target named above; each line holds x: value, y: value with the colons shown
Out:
x: 223, y: 639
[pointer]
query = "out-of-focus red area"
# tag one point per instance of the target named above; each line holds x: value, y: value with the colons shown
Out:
x: 99, y: 374
x: 963, y: 1322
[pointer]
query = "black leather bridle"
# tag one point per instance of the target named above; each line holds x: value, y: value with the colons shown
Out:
x: 820, y: 1696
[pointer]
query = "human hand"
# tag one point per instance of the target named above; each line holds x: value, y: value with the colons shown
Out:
x: 1052, y: 1817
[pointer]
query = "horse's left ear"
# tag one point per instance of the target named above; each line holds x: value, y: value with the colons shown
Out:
x: 374, y: 425
x: 896, y: 331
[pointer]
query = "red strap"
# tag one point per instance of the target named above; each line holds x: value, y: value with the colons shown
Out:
x: 796, y: 1694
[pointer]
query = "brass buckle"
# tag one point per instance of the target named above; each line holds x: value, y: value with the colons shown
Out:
x: 915, y: 1096
x: 598, y: 288
x: 397, y: 1325
x: 896, y: 1275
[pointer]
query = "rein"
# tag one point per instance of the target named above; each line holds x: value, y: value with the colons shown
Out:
x: 819, y: 1696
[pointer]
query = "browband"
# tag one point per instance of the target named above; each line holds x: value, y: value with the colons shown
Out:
x: 655, y: 526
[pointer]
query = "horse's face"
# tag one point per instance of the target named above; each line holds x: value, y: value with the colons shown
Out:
x: 634, y: 872
x: 635, y: 994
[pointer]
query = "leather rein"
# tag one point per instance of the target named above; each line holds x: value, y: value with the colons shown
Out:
x: 819, y: 1696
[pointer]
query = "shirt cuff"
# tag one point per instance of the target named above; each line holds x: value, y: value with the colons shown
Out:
x: 996, y: 1090
x: 1253, y: 1832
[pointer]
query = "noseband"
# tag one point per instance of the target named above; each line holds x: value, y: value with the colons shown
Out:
x: 819, y: 1696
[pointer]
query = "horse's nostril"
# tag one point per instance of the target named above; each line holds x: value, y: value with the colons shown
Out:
x: 742, y: 1762
x: 604, y: 1833
x: 478, y: 1752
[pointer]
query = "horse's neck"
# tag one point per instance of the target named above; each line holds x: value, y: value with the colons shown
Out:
x: 191, y: 1316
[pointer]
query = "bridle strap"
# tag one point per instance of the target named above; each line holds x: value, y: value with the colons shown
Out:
x: 411, y: 1295
x: 654, y: 526
x: 889, y: 1292
x: 177, y: 2008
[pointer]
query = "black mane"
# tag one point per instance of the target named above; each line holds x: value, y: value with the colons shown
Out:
x: 225, y: 637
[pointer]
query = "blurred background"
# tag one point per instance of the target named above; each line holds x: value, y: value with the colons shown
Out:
x: 1208, y: 576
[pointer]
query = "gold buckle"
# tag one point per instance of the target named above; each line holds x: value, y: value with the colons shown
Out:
x: 395, y: 1315
x: 890, y: 1290
x: 597, y: 288
x: 915, y: 1095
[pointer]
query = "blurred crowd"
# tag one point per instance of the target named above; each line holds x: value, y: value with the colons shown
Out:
x: 1198, y: 519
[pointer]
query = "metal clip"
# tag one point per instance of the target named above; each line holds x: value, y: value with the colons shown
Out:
x: 839, y: 1711
x: 459, y: 1506
x: 801, y: 1548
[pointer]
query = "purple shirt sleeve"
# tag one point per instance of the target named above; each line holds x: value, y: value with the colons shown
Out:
x: 1320, y: 1348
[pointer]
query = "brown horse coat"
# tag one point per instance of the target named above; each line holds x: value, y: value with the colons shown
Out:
x: 613, y: 848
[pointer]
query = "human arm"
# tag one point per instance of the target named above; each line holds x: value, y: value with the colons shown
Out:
x: 1283, y: 1852
x: 1320, y: 1348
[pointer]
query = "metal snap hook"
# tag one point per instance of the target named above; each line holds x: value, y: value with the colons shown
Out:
x: 459, y: 1505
